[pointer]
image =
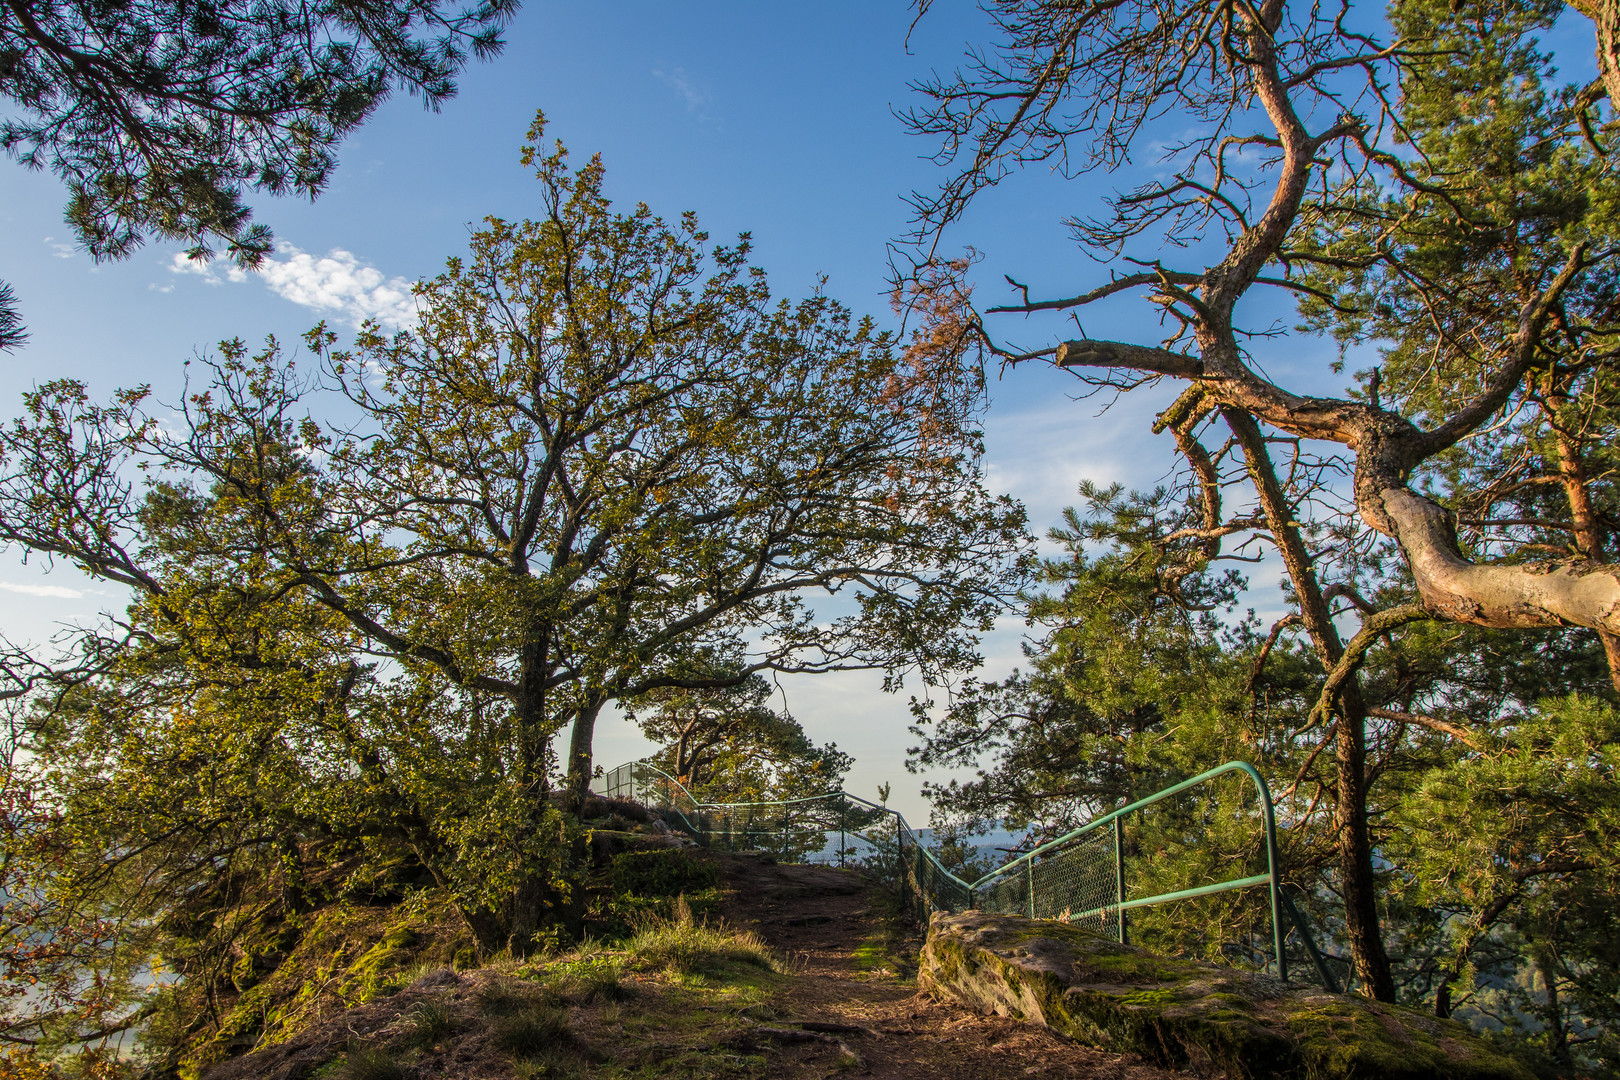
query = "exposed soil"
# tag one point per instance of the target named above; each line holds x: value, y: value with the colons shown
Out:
x: 853, y: 968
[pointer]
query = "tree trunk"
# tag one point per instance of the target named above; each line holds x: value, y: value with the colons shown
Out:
x: 579, y: 751
x: 1590, y: 540
x: 1350, y: 789
x: 1355, y: 848
x: 1605, y: 15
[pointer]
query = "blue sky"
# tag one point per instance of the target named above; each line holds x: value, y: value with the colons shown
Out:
x: 770, y: 118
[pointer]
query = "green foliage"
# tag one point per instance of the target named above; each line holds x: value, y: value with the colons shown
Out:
x: 606, y: 449
x: 1496, y: 856
x: 643, y: 885
x: 1130, y: 688
x: 658, y: 872
x: 1517, y: 844
x: 158, y: 114
x: 725, y: 744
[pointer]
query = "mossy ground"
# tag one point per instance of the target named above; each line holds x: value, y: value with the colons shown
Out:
x: 777, y: 993
x: 675, y: 999
x: 1190, y: 1015
x: 288, y: 970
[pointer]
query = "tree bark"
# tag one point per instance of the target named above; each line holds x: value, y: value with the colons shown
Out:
x: 1605, y: 15
x: 1350, y: 786
x: 1547, y: 593
x: 1590, y: 538
x: 579, y: 750
x: 1550, y: 593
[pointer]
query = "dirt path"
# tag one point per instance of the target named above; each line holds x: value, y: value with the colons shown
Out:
x: 853, y: 973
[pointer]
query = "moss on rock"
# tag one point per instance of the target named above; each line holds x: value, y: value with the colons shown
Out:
x: 1187, y: 1014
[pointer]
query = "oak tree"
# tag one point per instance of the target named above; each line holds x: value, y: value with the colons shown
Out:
x: 369, y: 601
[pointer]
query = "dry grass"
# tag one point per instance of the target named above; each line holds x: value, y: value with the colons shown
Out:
x: 682, y: 945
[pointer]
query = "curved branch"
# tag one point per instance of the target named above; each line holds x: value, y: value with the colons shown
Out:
x: 1560, y: 592
x: 1466, y: 736
x: 1355, y: 653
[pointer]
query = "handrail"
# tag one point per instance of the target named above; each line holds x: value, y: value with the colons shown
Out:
x: 1280, y: 905
x: 1270, y: 877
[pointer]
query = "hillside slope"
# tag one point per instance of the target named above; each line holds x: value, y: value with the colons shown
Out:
x: 795, y: 972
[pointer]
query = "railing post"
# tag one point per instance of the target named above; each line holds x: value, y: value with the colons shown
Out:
x: 1030, y: 865
x: 1278, y: 931
x: 1119, y: 877
x: 841, y: 811
x: 1310, y: 946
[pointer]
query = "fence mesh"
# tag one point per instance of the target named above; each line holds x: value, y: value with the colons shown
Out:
x: 1079, y: 878
x: 1078, y: 882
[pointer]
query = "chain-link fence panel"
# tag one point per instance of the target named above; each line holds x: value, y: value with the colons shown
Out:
x: 1079, y: 878
x: 1076, y: 882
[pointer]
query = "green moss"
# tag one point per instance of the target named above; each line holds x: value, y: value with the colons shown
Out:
x: 1151, y: 997
x: 368, y: 974
x: 1237, y: 1001
x: 1122, y: 963
x: 1187, y: 1015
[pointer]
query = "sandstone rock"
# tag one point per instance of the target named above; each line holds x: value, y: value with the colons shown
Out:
x: 1185, y: 1014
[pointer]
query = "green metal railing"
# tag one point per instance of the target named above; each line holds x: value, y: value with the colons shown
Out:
x: 1078, y: 877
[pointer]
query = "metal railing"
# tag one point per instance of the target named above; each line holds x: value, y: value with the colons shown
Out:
x: 1078, y: 877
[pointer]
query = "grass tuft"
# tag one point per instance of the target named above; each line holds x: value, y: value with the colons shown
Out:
x: 429, y: 1022
x: 684, y: 946
x: 531, y: 1032
x: 371, y: 1063
x: 599, y: 984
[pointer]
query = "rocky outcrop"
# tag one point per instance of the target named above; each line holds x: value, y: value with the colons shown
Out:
x: 1212, y: 1020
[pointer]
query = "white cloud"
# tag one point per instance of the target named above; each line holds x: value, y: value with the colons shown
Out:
x: 1040, y: 454
x: 336, y: 283
x: 680, y: 82
x: 206, y: 270
x: 58, y: 591
x: 59, y: 249
x: 339, y: 283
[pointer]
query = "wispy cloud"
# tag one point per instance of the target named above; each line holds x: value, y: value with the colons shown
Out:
x: 1041, y: 453
x: 57, y: 591
x: 336, y: 283
x: 208, y: 271
x: 679, y: 81
x: 58, y: 248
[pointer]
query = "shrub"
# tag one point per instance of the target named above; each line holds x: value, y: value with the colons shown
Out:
x: 659, y: 872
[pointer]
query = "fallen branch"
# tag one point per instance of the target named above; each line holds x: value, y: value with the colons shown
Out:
x: 745, y: 1040
x: 846, y: 1029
